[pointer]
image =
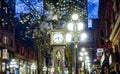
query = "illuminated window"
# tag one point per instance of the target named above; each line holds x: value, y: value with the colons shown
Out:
x: 5, y: 40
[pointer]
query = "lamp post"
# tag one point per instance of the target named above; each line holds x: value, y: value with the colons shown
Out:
x: 75, y: 29
x: 84, y: 59
x: 33, y: 68
x: 44, y: 69
x: 73, y: 32
x: 13, y: 65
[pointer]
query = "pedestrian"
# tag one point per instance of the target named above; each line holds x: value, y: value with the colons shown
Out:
x: 112, y: 72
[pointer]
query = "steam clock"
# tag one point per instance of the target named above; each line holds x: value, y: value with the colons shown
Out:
x: 58, y: 45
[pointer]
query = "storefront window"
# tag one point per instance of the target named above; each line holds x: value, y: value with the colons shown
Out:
x: 3, y: 67
x: 28, y: 69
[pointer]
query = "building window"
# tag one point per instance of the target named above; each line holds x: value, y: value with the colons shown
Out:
x: 5, y: 10
x: 5, y: 40
x: 17, y: 48
x: 0, y: 37
x: 11, y: 43
x: 5, y: 54
x: 119, y: 45
x: 116, y: 48
x: 0, y: 4
x: 32, y: 55
x: 118, y: 5
x: 23, y: 50
x: 28, y: 54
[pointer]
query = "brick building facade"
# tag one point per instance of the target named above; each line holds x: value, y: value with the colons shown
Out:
x: 110, y: 32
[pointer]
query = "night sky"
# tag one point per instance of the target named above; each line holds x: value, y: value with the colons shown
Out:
x: 23, y: 8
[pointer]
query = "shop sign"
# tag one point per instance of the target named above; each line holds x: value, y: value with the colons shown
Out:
x: 99, y: 49
x: 99, y: 53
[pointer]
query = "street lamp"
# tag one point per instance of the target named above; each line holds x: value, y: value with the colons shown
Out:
x: 13, y: 65
x: 75, y: 29
x: 44, y: 69
x: 72, y: 33
x: 33, y: 67
x: 75, y: 17
x: 84, y: 58
x: 52, y: 70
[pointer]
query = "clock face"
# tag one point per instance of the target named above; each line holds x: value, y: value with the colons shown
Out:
x: 58, y: 37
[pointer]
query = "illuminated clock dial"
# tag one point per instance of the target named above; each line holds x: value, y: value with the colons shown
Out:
x: 58, y: 38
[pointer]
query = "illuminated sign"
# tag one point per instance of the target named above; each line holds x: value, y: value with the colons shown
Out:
x: 99, y: 49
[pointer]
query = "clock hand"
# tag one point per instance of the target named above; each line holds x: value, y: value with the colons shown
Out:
x: 57, y: 38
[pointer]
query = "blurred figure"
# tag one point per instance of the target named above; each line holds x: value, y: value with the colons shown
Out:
x: 112, y: 72
x: 118, y: 69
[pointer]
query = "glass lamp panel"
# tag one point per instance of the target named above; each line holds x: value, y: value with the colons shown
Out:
x: 85, y: 53
x: 80, y: 58
x: 75, y: 17
x: 83, y: 36
x: 68, y: 37
x: 87, y: 61
x: 81, y: 54
x: 83, y: 64
x: 88, y: 64
x: 87, y: 58
x: 70, y: 26
x: 83, y: 49
x: 80, y: 26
